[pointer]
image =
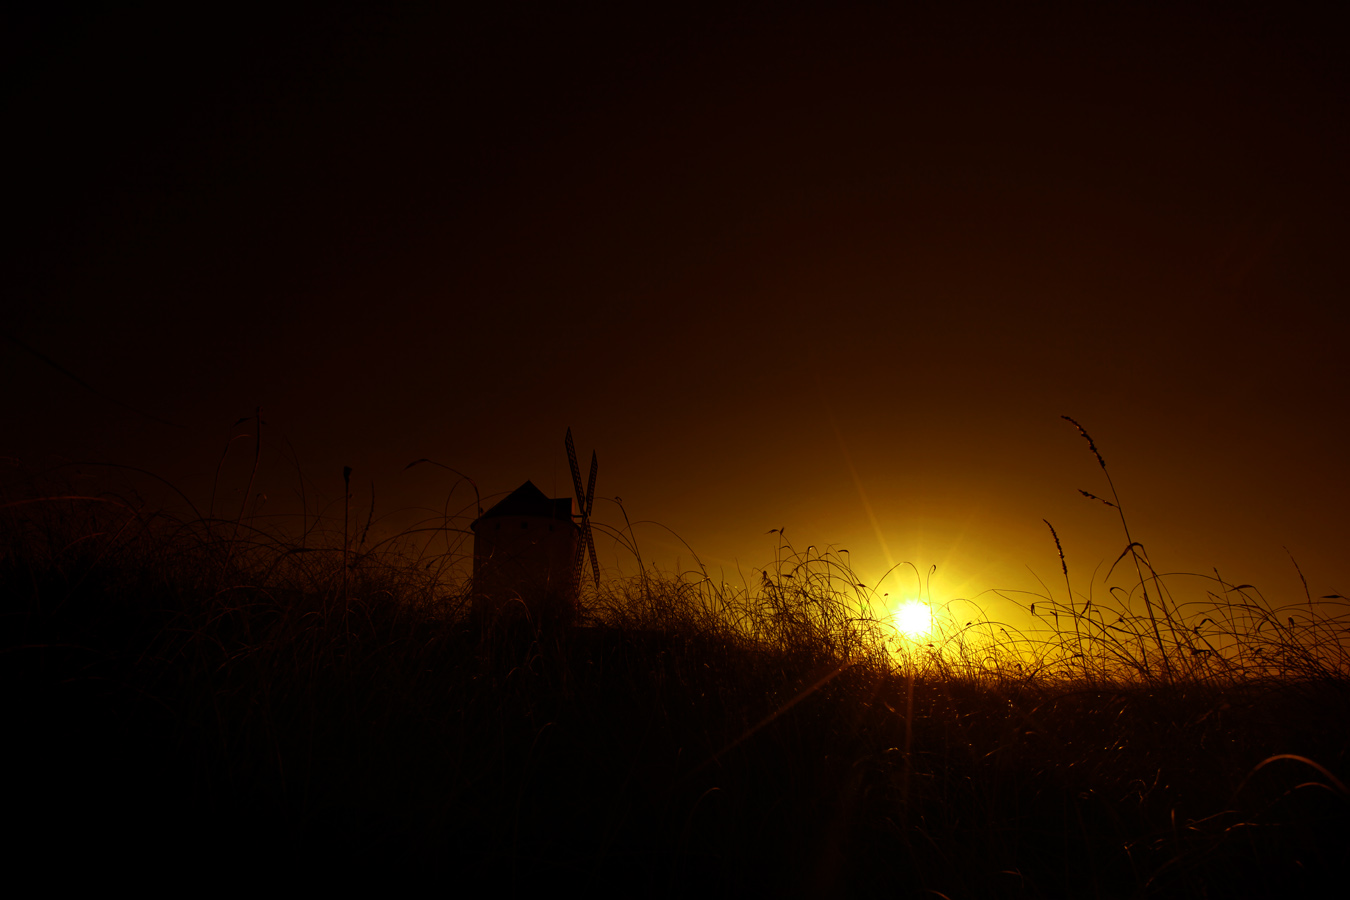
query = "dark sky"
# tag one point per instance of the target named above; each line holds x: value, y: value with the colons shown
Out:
x: 835, y: 269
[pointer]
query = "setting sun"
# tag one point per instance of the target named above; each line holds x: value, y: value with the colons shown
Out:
x: 914, y: 619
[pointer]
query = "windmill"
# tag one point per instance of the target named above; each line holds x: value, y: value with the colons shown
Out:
x: 584, y: 502
x: 528, y: 550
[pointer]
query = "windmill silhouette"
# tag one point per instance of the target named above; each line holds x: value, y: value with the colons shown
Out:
x: 529, y: 550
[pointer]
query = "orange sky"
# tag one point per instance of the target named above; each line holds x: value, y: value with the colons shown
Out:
x: 776, y: 267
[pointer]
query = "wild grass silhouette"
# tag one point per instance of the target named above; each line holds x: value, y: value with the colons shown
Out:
x: 216, y: 697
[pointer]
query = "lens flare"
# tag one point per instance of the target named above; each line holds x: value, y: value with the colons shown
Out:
x: 914, y: 619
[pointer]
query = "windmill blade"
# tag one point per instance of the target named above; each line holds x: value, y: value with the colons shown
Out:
x: 590, y: 488
x: 590, y: 545
x: 586, y: 519
x: 576, y: 472
x: 584, y: 502
x: 579, y: 554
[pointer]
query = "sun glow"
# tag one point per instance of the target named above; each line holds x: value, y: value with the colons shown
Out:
x: 914, y: 619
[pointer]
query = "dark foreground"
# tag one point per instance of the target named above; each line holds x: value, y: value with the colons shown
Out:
x: 168, y: 725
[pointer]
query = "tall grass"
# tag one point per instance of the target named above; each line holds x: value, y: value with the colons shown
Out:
x: 232, y: 694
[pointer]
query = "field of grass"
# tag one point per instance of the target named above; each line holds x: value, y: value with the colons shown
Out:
x: 203, y: 698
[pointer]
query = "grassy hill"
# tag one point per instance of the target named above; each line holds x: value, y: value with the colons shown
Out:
x: 192, y: 701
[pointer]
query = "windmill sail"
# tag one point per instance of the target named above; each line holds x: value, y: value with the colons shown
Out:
x: 586, y: 526
x: 584, y: 503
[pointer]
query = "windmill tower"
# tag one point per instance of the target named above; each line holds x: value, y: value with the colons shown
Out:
x: 531, y: 548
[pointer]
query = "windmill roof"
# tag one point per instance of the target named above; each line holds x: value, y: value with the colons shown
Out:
x: 528, y: 500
